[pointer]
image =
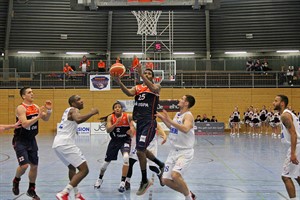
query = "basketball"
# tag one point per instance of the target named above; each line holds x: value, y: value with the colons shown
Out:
x: 117, y: 69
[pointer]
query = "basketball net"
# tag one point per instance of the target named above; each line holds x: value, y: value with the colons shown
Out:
x: 147, y: 21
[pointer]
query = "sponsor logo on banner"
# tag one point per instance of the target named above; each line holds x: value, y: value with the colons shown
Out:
x: 209, y: 128
x: 98, y: 128
x: 168, y: 105
x: 84, y: 129
x: 99, y: 82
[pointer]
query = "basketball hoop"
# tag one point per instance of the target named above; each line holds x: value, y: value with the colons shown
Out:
x: 147, y: 21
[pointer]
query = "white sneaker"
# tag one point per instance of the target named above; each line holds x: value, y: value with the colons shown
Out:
x: 98, y: 183
x: 122, y: 187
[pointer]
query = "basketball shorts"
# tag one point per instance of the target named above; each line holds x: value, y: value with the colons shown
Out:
x: 114, y: 147
x: 289, y: 169
x: 70, y: 155
x: 145, y: 132
x: 26, y: 152
x: 178, y: 161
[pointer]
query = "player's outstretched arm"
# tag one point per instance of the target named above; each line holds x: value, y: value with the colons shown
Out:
x: 4, y: 127
x: 125, y: 90
x: 75, y: 115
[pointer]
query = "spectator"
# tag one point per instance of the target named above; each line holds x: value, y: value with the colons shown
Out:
x: 257, y: 65
x: 67, y: 71
x: 265, y: 65
x: 290, y: 75
x: 84, y: 64
x: 134, y: 63
x: 101, y: 66
x: 198, y: 118
x: 249, y: 65
x: 205, y: 119
x: 149, y: 64
x: 298, y: 74
x: 213, y: 119
x: 118, y: 60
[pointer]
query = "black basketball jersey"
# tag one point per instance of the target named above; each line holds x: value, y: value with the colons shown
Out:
x: 145, y: 104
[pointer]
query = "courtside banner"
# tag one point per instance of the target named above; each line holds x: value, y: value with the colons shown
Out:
x: 209, y: 128
x: 98, y: 128
x: 82, y: 129
x: 168, y: 105
x: 99, y: 82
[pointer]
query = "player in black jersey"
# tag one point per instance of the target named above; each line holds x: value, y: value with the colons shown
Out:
x: 145, y: 106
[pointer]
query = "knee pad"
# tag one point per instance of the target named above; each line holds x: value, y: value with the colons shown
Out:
x: 126, y: 159
x: 104, y: 166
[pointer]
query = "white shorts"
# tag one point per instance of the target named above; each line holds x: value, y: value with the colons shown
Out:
x: 70, y: 154
x: 152, y: 148
x: 289, y: 169
x: 178, y: 161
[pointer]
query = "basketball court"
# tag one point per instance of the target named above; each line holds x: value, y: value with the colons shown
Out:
x: 224, y: 167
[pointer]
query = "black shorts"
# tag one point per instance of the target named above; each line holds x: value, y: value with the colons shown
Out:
x: 145, y: 132
x: 113, y: 148
x: 26, y: 151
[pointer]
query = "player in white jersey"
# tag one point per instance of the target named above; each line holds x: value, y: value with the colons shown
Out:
x: 66, y: 149
x: 182, y: 140
x: 291, y: 133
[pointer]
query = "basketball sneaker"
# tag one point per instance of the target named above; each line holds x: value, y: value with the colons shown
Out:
x: 144, y: 187
x: 159, y: 175
x: 127, y: 185
x: 62, y: 196
x: 193, y: 195
x: 98, y: 183
x: 122, y: 187
x: 79, y: 196
x: 15, y: 188
x: 31, y: 193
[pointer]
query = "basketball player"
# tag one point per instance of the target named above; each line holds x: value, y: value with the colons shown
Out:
x: 24, y: 141
x: 4, y: 127
x: 118, y: 126
x: 145, y: 106
x: 65, y: 148
x: 153, y: 149
x: 291, y: 132
x: 182, y: 140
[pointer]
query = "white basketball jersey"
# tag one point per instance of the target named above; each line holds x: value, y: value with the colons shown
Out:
x: 296, y: 123
x: 178, y: 139
x: 66, y: 131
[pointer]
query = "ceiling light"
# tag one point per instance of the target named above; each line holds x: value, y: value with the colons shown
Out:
x: 30, y: 52
x: 287, y: 51
x: 183, y: 53
x: 235, y: 52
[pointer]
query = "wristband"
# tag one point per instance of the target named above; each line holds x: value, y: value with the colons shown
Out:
x: 49, y: 111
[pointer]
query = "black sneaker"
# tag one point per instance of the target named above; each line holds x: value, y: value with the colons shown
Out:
x: 159, y: 175
x: 31, y: 193
x: 127, y: 185
x: 193, y: 195
x: 15, y: 188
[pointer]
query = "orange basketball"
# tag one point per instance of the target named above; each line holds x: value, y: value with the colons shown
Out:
x: 117, y: 69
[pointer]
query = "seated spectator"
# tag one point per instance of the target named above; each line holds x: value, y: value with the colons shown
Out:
x: 118, y: 60
x: 84, y: 64
x: 134, y: 63
x: 101, y: 66
x: 205, y: 119
x: 213, y: 119
x: 67, y: 71
x: 265, y: 65
x: 198, y: 118
x: 298, y: 74
x: 149, y: 65
x: 257, y: 65
x: 249, y: 65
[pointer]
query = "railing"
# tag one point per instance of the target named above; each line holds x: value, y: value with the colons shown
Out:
x: 183, y: 79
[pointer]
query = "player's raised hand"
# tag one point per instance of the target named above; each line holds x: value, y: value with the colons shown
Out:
x: 94, y: 111
x: 48, y: 104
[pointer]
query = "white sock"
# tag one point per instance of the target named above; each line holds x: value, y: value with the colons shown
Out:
x: 68, y: 188
x: 128, y: 180
x: 295, y: 198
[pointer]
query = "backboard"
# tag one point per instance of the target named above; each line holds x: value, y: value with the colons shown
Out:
x: 147, y: 4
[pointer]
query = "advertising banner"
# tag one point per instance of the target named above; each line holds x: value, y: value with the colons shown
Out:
x: 209, y: 128
x: 98, y: 128
x: 169, y: 105
x: 99, y: 82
